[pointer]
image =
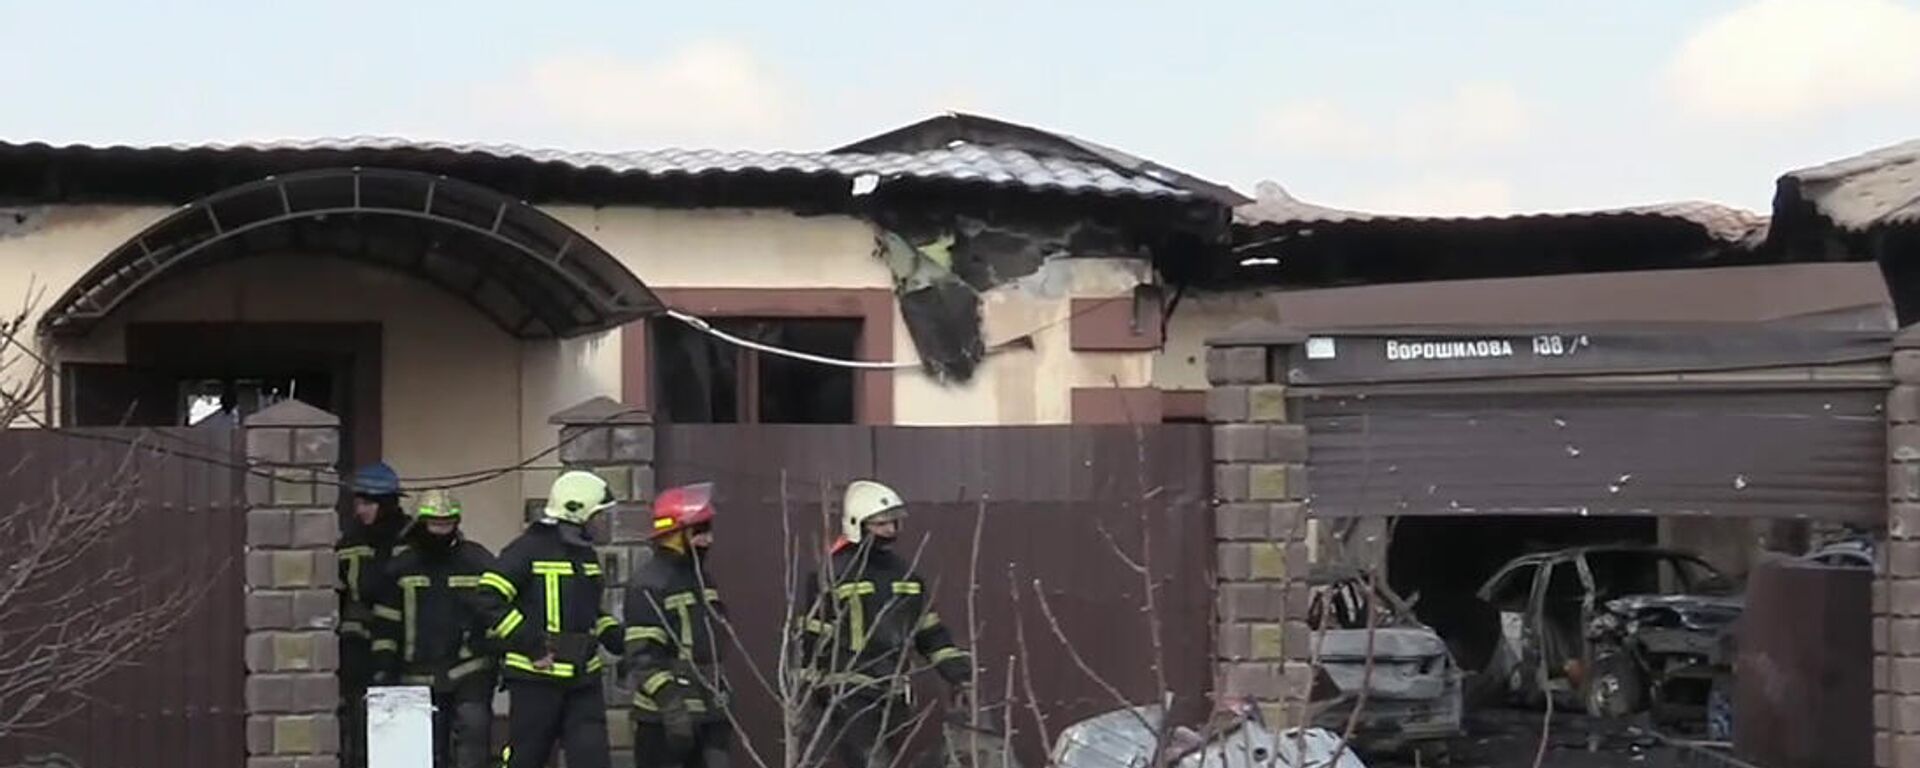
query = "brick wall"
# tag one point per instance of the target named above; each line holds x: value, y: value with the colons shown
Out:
x: 615, y: 441
x: 1896, y: 587
x: 1261, y: 638
x: 291, y: 611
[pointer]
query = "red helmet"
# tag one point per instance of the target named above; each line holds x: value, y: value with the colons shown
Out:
x: 677, y: 509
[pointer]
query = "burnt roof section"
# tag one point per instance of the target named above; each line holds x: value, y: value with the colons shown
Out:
x: 40, y: 173
x: 955, y: 129
x: 1880, y: 187
x: 1284, y: 241
x: 1719, y: 222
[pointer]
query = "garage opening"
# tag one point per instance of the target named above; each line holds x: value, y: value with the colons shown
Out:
x: 1444, y: 560
x: 1611, y: 486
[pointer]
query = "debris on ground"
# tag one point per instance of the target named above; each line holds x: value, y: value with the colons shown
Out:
x: 1127, y: 738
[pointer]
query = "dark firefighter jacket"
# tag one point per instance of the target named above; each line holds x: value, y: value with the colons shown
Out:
x: 675, y: 634
x: 428, y: 615
x: 877, y: 610
x: 543, y: 596
x: 362, y: 553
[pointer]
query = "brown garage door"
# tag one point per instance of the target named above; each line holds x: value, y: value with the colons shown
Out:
x: 1811, y: 453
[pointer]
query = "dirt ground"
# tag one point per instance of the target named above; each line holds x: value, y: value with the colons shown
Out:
x: 1510, y: 738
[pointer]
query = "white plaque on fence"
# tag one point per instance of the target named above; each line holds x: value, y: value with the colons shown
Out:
x: 400, y: 727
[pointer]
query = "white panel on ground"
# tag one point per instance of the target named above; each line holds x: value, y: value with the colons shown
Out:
x: 400, y: 727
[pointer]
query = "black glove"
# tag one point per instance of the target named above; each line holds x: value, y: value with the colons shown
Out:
x: 961, y: 698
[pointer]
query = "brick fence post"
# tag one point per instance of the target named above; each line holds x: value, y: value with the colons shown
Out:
x: 615, y: 441
x: 1260, y: 526
x: 1896, y: 582
x: 292, y: 653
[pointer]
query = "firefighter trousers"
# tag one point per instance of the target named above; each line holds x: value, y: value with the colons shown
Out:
x: 542, y: 715
x: 709, y: 748
x: 864, y: 730
x: 463, y: 723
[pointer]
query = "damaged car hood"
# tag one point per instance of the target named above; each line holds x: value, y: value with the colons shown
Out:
x: 1398, y: 643
x: 1693, y: 611
x: 1409, y: 662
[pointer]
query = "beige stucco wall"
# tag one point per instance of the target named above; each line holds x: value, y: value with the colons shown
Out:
x: 459, y: 394
x: 451, y: 384
x: 732, y: 248
x: 1022, y: 386
x: 777, y: 249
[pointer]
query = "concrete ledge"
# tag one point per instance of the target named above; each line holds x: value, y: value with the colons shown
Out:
x: 602, y: 411
x: 1259, y: 333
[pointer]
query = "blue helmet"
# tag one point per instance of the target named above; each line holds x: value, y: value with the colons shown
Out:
x: 376, y: 479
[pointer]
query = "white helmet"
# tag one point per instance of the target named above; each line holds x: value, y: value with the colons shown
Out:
x: 576, y: 496
x: 866, y: 501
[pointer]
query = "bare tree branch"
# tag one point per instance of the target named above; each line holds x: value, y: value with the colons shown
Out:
x: 1026, y: 671
x: 74, y: 607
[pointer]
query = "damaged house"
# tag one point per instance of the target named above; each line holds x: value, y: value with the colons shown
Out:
x: 1016, y: 323
x: 1578, y: 443
x: 987, y: 299
x: 445, y: 299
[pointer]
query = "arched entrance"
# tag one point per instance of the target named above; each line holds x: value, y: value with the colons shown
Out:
x: 526, y: 273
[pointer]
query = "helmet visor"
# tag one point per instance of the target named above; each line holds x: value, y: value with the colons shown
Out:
x: 438, y: 512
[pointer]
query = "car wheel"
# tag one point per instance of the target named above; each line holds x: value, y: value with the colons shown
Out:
x: 1614, y: 689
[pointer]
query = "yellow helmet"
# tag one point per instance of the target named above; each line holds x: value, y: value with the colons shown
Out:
x: 577, y: 496
x: 437, y: 504
x: 866, y: 501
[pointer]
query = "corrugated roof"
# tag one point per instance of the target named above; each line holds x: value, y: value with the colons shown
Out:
x: 946, y: 129
x: 1272, y: 205
x: 1877, y: 187
x: 962, y: 163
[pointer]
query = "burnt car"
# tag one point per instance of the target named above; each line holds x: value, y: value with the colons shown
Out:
x: 1849, y: 552
x: 1412, y: 691
x: 1617, y: 630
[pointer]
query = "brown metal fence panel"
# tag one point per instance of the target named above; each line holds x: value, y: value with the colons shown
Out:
x: 1063, y: 512
x: 1810, y: 454
x: 180, y: 702
x: 1803, y: 674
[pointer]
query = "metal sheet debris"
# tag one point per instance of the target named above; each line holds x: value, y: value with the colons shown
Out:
x: 1125, y: 738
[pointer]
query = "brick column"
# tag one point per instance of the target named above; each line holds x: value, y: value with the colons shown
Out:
x: 1259, y: 470
x: 291, y: 610
x: 615, y: 441
x: 1896, y: 585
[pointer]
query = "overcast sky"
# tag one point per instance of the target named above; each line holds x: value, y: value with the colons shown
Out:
x: 1440, y: 107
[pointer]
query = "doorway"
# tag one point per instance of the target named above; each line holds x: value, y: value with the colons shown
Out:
x: 185, y: 374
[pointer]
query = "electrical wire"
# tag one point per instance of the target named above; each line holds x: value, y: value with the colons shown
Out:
x: 412, y: 484
x: 487, y: 474
x: 255, y: 469
x: 702, y: 325
x: 705, y: 327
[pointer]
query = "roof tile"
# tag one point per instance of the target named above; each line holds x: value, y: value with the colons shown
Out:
x: 999, y: 166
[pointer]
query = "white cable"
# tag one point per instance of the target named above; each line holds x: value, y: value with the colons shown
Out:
x: 707, y: 328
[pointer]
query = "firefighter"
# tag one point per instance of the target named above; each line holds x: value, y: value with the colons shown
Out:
x: 857, y: 634
x: 428, y: 629
x: 371, y: 534
x: 672, y: 611
x: 544, y: 610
